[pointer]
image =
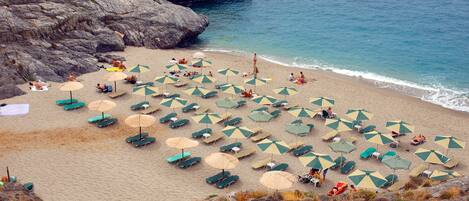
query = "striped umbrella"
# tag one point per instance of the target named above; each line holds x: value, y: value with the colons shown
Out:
x: 196, y: 91
x: 207, y: 118
x: 322, y: 101
x: 264, y: 100
x: 145, y: 90
x: 232, y: 89
x: 174, y: 102
x: 260, y: 116
x: 342, y: 147
x: 431, y: 156
x: 166, y: 79
x: 378, y: 138
x: 444, y: 174
x: 228, y: 72
x: 202, y: 79
x: 201, y: 63
x: 367, y: 179
x: 226, y: 103
x: 139, y: 68
x: 286, y: 91
x: 301, y: 112
x: 359, y: 114
x: 449, y: 142
x: 400, y: 127
x: 256, y: 81
x: 237, y: 132
x: 317, y: 161
x: 276, y: 147
x: 176, y: 67
x: 339, y: 124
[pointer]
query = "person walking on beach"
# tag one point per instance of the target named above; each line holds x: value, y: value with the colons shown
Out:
x: 324, y: 172
x: 254, y: 61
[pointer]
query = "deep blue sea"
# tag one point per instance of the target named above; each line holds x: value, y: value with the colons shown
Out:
x: 420, y: 47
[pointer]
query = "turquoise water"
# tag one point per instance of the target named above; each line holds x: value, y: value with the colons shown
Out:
x: 418, y: 47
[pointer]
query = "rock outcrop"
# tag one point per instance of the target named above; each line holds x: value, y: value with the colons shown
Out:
x: 49, y: 39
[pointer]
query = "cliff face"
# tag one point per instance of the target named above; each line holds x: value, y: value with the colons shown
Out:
x: 48, y: 39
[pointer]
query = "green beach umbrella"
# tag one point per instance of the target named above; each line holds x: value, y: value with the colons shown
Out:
x: 378, y: 138
x: 260, y: 116
x: 340, y: 125
x: 431, y: 156
x: 359, y: 114
x: 256, y: 81
x: 276, y: 147
x: 207, y: 118
x: 301, y: 112
x: 286, y: 91
x: 145, y: 90
x: 441, y: 175
x: 203, y: 79
x: 400, y: 127
x: 228, y: 72
x: 317, y: 161
x: 264, y: 100
x: 237, y: 132
x: 174, y: 102
x: 201, y: 63
x: 165, y: 79
x: 226, y: 103
x: 232, y: 89
x: 139, y: 68
x: 298, y: 128
x: 367, y: 179
x: 322, y: 101
x: 196, y: 91
x: 396, y: 163
x: 449, y: 142
x: 342, y: 147
x: 176, y: 67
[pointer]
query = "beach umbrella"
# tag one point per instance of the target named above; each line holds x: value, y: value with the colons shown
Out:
x: 396, y: 163
x: 286, y: 91
x: 71, y: 86
x: 196, y: 91
x: 367, y: 179
x: 431, y: 156
x: 232, y: 89
x: 145, y: 90
x: 198, y: 55
x: 299, y: 112
x: 317, y: 161
x: 264, y: 100
x: 449, y: 142
x: 226, y: 103
x: 322, y: 101
x: 165, y: 79
x: 276, y: 147
x: 400, y: 127
x: 378, y: 138
x: 221, y: 161
x: 228, y: 72
x: 207, y: 118
x: 298, y: 128
x: 202, y: 79
x: 114, y: 77
x: 342, y: 147
x: 277, y: 180
x: 181, y: 143
x: 260, y: 116
x: 256, y: 81
x: 444, y: 174
x: 101, y: 106
x: 339, y: 124
x: 176, y: 67
x: 359, y: 114
x: 174, y: 102
x: 140, y: 121
x: 139, y: 68
x: 201, y: 63
x: 237, y: 132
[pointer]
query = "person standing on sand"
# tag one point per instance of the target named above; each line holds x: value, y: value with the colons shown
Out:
x: 254, y: 61
x: 324, y: 172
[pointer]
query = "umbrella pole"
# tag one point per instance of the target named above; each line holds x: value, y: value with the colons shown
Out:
x: 222, y: 172
x: 272, y: 158
x: 102, y: 115
x: 8, y: 174
x: 115, y: 86
x: 182, y: 152
x: 71, y: 98
x: 140, y: 132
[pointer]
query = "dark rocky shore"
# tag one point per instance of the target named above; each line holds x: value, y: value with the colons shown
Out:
x: 49, y: 39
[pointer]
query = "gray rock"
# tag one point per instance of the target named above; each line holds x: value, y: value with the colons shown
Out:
x: 49, y: 39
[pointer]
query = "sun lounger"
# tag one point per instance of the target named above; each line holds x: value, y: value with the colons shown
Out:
x: 241, y: 103
x: 286, y: 107
x: 295, y: 145
x: 106, y: 122
x: 279, y: 167
x: 229, y: 147
x: 173, y: 96
x: 213, y: 138
x: 139, y: 106
x: 116, y: 94
x: 387, y: 154
x: 227, y: 181
x: 339, y: 161
x: 296, y: 121
x: 261, y: 136
x: 138, y: 84
x: 233, y: 122
x: 209, y: 94
x: 136, y: 137
x: 397, y: 186
x: 178, y: 157
x: 261, y: 163
x: 178, y: 123
x: 74, y: 106
x: 280, y: 103
x: 150, y: 110
x: 263, y: 108
x: 180, y: 84
x: 390, y: 180
x: 418, y: 170
x: 330, y: 135
x: 144, y: 142
x: 159, y: 94
x: 167, y: 118
x: 302, y: 150
x: 451, y: 163
x: 114, y: 69
x: 66, y: 101
x: 98, y: 118
x: 218, y: 86
x: 190, y: 107
x: 348, y: 166
x: 218, y: 177
x: 256, y: 131
x: 200, y: 133
x: 189, y: 162
x: 367, y: 152
x: 367, y: 129
x: 275, y: 113
x: 224, y: 117
x: 244, y: 153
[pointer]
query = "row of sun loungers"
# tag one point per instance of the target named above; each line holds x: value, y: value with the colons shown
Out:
x: 184, y: 160
x: 140, y: 140
x: 233, y: 122
x: 222, y: 179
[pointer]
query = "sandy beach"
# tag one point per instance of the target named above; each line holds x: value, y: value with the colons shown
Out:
x: 69, y: 159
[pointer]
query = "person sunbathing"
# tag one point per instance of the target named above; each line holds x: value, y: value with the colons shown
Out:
x: 338, y: 189
x: 330, y: 113
x: 103, y: 88
x: 39, y: 85
x: 131, y: 79
x: 418, y: 139
x: 71, y: 77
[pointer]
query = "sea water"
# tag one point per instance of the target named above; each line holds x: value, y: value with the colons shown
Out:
x: 420, y: 47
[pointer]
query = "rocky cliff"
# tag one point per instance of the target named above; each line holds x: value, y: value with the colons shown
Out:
x: 48, y: 39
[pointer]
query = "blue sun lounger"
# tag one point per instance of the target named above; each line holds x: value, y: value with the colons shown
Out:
x: 189, y: 162
x: 136, y: 137
x: 178, y: 123
x: 98, y: 118
x: 229, y: 147
x: 339, y: 161
x: 167, y: 118
x: 227, y: 181
x: 107, y: 122
x: 144, y: 142
x: 66, y: 101
x: 348, y: 167
x: 280, y: 167
x: 200, y: 133
x: 367, y: 153
x: 233, y: 122
x: 218, y: 177
x: 74, y: 106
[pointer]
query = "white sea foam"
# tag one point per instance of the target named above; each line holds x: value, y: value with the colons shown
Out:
x: 436, y: 94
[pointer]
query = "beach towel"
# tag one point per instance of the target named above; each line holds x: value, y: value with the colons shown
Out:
x: 44, y: 88
x: 14, y: 109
